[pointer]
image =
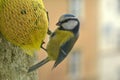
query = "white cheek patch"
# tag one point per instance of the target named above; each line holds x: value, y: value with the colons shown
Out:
x: 70, y: 24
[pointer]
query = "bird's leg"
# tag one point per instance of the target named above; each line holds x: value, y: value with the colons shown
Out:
x: 47, y: 16
x: 49, y: 32
x: 42, y: 46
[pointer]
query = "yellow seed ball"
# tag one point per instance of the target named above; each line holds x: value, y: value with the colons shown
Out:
x: 24, y: 23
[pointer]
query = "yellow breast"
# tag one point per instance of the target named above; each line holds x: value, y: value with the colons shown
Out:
x: 57, y: 41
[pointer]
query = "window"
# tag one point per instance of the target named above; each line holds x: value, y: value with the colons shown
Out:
x: 76, y: 7
x: 74, y: 66
x: 118, y: 40
x: 118, y: 6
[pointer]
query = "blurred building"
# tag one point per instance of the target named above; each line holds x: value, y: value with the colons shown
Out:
x: 96, y: 55
x: 109, y: 40
x: 81, y: 64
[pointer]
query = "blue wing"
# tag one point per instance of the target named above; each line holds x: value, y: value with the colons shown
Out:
x: 65, y: 49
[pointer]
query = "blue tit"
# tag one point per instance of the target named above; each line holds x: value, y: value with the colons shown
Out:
x: 61, y: 40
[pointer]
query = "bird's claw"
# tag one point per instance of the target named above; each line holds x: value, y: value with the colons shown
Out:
x: 42, y: 46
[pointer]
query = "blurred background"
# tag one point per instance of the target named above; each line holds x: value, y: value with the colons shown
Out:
x: 96, y: 54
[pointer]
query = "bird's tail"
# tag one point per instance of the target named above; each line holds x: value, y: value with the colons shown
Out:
x: 34, y: 67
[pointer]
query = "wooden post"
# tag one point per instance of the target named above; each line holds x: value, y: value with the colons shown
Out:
x: 14, y: 63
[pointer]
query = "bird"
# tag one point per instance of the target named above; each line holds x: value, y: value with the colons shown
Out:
x: 24, y: 23
x: 61, y: 41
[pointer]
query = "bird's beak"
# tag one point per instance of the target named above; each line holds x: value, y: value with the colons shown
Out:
x: 58, y: 23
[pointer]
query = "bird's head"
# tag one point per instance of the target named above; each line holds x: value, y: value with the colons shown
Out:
x: 68, y: 22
